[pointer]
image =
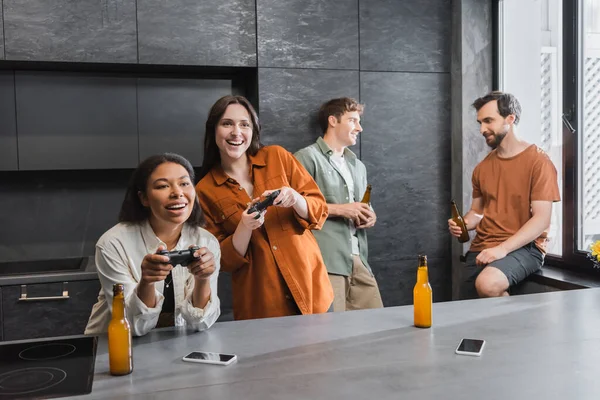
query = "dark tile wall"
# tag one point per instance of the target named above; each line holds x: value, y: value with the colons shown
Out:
x: 71, y: 30
x: 407, y: 155
x: 406, y: 151
x: 290, y: 98
x: 218, y: 32
x: 308, y: 33
x: 1, y: 32
x: 408, y: 35
x: 399, y: 290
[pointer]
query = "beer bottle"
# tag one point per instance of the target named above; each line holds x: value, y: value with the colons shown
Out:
x: 422, y: 296
x: 119, y: 336
x: 367, y: 196
x: 458, y: 220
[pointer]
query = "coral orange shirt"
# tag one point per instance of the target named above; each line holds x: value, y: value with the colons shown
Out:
x: 283, y: 264
x: 508, y: 186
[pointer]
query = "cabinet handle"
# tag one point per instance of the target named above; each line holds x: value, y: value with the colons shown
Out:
x: 65, y: 294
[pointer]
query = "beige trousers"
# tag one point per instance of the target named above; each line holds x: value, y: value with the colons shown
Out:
x: 357, y: 291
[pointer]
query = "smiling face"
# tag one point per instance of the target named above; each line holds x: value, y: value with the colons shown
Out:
x: 346, y: 130
x: 169, y: 195
x: 234, y: 132
x: 493, y: 126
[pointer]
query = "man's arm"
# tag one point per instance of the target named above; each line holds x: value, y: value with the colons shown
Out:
x: 360, y: 213
x: 471, y: 219
x: 475, y: 214
x: 540, y: 220
x: 538, y: 223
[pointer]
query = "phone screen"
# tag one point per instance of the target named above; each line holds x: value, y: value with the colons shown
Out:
x: 201, y: 355
x: 470, y: 345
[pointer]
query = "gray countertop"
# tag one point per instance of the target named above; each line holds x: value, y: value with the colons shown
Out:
x: 538, y: 346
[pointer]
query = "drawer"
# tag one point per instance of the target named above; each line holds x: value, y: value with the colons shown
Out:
x: 47, y: 309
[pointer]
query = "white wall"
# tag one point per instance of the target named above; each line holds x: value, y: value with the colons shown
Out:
x: 522, y: 43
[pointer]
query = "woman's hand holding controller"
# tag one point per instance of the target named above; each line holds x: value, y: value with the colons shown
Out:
x: 288, y: 197
x: 250, y: 220
x: 155, y: 267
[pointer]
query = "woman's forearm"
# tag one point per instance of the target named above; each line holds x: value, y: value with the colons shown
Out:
x: 301, y: 206
x: 201, y: 293
x: 241, y: 239
x: 147, y: 294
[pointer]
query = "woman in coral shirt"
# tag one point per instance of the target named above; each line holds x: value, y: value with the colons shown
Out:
x: 274, y: 259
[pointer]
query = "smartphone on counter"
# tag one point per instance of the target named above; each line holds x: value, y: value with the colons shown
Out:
x: 210, y: 358
x: 470, y: 347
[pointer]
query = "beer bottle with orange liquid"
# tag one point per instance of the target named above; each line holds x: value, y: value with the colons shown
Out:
x: 422, y: 295
x: 119, y: 336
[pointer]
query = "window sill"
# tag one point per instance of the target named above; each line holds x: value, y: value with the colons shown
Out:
x: 564, y: 279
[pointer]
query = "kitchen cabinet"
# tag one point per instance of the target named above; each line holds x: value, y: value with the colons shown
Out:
x: 76, y: 121
x: 8, y: 131
x: 47, y: 309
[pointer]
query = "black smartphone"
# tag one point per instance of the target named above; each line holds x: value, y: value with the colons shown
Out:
x: 470, y: 347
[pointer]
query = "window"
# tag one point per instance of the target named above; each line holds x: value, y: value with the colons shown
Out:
x: 531, y: 70
x: 549, y: 58
x: 589, y: 126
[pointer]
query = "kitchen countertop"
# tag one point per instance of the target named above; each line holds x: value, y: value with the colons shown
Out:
x: 87, y: 272
x: 543, y: 345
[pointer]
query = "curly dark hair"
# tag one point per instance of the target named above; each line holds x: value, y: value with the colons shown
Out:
x: 132, y: 209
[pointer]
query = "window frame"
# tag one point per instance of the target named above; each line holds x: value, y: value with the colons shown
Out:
x: 572, y: 258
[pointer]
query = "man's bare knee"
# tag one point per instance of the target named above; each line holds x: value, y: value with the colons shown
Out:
x: 491, y: 282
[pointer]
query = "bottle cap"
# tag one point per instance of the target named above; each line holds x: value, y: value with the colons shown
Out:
x: 118, y: 288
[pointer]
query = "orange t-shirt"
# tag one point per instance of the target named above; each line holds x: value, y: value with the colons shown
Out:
x: 508, y: 186
x: 283, y: 257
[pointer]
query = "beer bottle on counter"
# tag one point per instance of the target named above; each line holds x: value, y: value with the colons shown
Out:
x: 367, y: 196
x: 422, y: 296
x: 458, y: 220
x: 119, y: 336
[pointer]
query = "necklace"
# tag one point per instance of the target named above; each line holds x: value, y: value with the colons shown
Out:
x: 167, y: 284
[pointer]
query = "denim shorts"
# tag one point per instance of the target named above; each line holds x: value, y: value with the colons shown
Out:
x: 517, y: 266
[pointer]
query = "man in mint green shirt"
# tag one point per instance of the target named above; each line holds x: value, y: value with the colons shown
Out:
x: 342, y: 178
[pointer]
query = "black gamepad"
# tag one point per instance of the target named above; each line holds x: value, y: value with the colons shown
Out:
x: 262, y: 205
x: 180, y: 257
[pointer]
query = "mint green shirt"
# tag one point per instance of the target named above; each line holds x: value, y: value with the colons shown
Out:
x: 334, y: 238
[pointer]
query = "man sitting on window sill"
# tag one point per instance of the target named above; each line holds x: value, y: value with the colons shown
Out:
x: 513, y: 191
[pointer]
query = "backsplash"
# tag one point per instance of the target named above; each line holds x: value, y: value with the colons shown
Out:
x: 57, y: 214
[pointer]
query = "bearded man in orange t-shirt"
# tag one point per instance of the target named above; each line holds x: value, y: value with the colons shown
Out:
x: 513, y: 191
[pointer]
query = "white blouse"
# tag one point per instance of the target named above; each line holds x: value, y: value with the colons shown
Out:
x: 119, y: 255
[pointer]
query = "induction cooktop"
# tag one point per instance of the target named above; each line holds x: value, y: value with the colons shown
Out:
x: 47, y: 368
